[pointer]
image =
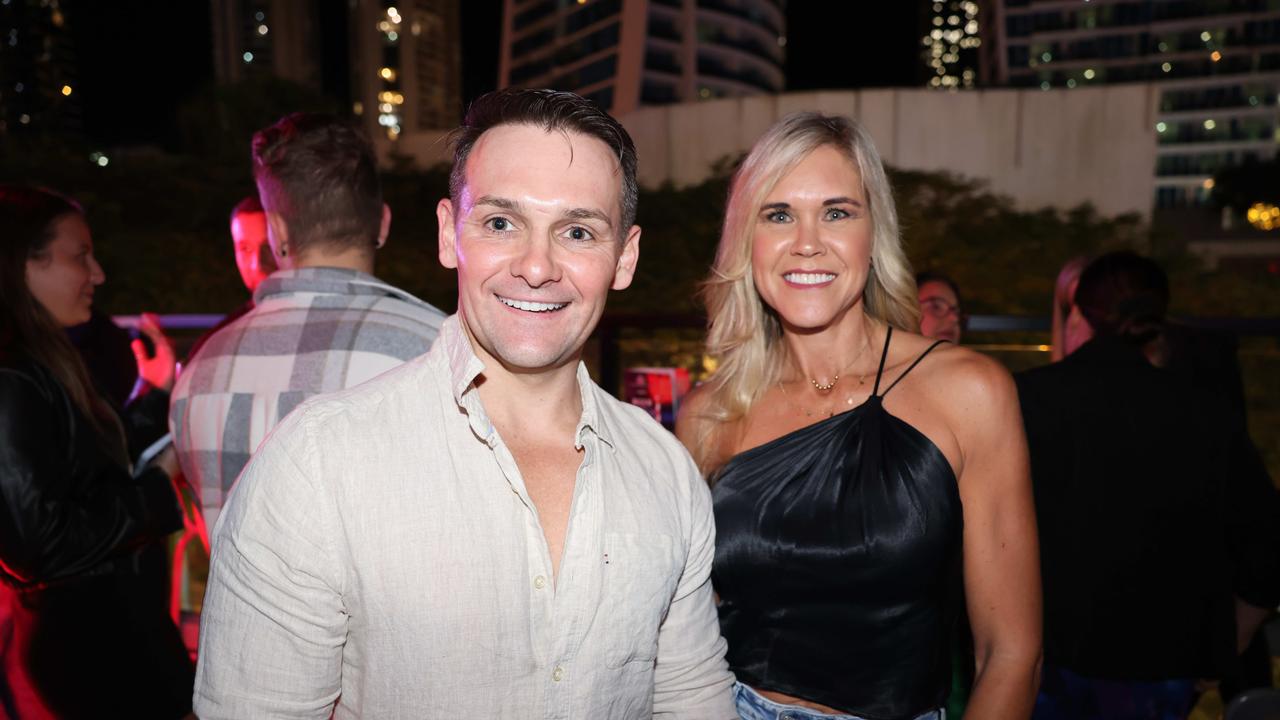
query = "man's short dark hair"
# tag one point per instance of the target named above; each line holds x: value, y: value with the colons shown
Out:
x: 249, y: 205
x: 319, y: 174
x: 549, y: 110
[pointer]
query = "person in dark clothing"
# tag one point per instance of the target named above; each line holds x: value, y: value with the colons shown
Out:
x: 83, y: 632
x: 1150, y: 522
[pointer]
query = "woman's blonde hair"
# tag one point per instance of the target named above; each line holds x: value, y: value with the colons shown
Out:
x: 743, y: 334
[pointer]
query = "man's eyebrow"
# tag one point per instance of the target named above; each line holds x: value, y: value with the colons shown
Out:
x: 589, y: 214
x: 498, y: 202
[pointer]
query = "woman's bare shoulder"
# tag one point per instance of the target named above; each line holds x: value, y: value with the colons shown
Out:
x: 975, y: 393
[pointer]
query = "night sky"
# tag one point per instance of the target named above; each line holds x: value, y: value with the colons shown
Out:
x: 139, y: 60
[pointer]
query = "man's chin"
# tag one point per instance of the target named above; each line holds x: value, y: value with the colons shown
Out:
x: 531, y: 361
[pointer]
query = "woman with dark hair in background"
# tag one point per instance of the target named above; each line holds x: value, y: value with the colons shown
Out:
x: 1149, y: 520
x: 84, y: 628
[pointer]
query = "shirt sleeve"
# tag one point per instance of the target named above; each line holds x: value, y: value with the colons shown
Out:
x: 692, y: 679
x: 274, y: 620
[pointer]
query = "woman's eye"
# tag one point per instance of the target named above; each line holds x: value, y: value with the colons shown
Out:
x: 777, y: 216
x: 837, y: 214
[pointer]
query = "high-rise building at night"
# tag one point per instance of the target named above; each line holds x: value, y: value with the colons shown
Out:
x: 279, y: 38
x: 627, y: 53
x: 1216, y: 64
x: 38, y: 88
x: 953, y: 44
x: 409, y: 55
x: 397, y: 64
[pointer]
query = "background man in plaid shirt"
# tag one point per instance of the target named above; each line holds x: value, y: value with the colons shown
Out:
x: 321, y: 323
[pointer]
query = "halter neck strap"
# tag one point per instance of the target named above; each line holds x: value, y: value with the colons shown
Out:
x: 913, y: 365
x: 883, y: 354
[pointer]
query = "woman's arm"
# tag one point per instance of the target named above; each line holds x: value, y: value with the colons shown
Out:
x: 1001, y: 552
x: 55, y: 527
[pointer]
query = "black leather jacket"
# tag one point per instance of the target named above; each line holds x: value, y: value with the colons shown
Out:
x: 67, y: 509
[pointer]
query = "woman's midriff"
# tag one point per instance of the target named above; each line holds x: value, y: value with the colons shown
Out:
x: 786, y: 699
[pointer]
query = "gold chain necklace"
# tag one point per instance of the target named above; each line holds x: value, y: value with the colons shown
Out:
x: 828, y: 387
x: 830, y: 410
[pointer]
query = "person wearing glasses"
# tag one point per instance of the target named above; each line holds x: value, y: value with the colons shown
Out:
x: 941, y: 314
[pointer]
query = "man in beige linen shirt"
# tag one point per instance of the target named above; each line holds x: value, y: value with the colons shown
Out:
x: 482, y: 532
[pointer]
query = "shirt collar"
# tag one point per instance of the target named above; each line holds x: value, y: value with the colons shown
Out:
x: 333, y: 280
x: 465, y: 366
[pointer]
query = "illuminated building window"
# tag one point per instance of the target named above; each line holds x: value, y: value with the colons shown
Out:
x: 951, y: 47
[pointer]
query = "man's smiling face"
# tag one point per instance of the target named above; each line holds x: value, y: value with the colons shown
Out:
x: 537, y: 244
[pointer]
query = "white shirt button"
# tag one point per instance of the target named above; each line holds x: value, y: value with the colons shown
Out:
x: 539, y: 582
x: 557, y: 674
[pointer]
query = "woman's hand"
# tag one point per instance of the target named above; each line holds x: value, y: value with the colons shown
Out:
x: 158, y: 369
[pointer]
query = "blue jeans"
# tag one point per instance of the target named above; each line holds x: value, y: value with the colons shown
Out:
x: 753, y: 706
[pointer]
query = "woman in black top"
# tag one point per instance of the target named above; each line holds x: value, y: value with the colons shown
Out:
x: 858, y: 468
x: 84, y: 629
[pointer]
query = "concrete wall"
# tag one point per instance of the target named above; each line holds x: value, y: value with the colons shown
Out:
x: 1058, y: 148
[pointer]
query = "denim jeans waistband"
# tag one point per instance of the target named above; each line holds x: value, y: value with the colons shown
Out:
x: 754, y: 706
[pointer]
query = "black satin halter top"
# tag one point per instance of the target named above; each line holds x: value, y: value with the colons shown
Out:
x: 838, y: 562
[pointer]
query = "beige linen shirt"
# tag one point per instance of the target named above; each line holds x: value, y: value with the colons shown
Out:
x: 381, y: 551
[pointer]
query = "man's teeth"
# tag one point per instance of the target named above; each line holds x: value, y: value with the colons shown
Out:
x: 529, y: 306
x: 809, y: 278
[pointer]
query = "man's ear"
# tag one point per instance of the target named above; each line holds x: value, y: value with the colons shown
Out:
x: 278, y: 238
x: 627, y: 259
x: 448, y: 234
x: 385, y: 229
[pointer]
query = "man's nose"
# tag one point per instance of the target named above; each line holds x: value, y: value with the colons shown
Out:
x: 536, y: 263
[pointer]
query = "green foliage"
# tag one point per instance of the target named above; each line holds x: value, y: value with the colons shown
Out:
x: 161, y: 228
x: 678, y: 242
x: 1004, y: 259
x: 408, y: 260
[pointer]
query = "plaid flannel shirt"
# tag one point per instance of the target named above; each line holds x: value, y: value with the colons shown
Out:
x: 311, y: 331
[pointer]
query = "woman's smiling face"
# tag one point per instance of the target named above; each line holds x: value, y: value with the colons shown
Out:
x: 811, y: 247
x: 63, y: 276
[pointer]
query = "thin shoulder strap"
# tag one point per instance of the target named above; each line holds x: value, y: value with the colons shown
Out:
x: 883, y: 354
x: 913, y: 365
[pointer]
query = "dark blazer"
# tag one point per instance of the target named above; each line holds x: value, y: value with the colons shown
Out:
x: 83, y: 620
x: 1148, y: 513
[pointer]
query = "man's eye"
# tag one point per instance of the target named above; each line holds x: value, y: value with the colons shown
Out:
x: 579, y: 233
x: 500, y: 224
